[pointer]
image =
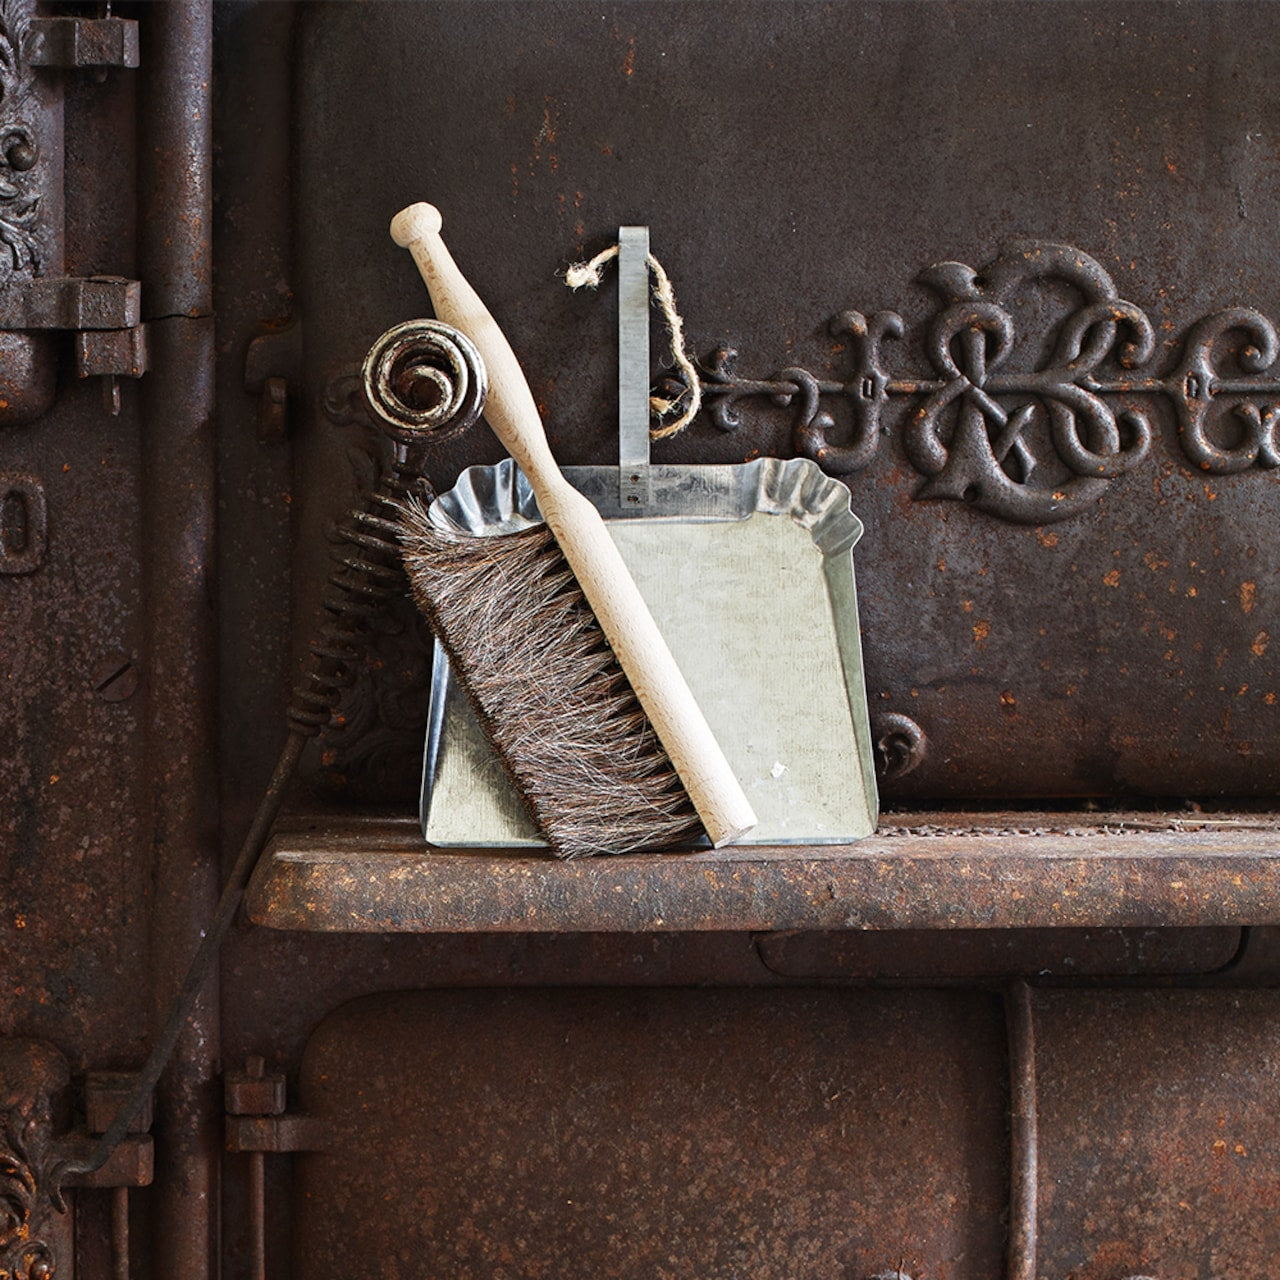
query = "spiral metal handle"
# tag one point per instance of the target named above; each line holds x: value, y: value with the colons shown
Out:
x: 425, y: 381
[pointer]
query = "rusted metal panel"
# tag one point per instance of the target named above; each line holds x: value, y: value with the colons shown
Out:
x: 1125, y: 649
x: 660, y: 1133
x: 74, y: 786
x: 969, y: 955
x: 34, y: 1236
x: 1159, y: 1135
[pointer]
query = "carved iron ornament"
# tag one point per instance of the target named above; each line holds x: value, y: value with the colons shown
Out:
x: 970, y: 426
x: 19, y: 193
x: 30, y: 1071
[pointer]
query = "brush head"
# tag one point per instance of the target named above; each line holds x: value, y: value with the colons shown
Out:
x: 547, y: 689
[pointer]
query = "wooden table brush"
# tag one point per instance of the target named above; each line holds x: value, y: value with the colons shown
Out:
x: 455, y: 575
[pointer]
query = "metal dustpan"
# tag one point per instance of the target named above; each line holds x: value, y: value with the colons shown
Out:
x: 747, y: 569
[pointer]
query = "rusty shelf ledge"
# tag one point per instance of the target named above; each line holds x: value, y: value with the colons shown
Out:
x: 375, y: 874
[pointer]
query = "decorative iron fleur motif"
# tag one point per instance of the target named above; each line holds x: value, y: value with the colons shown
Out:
x: 1036, y: 446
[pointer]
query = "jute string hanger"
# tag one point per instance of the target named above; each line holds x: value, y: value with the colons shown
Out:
x: 589, y: 274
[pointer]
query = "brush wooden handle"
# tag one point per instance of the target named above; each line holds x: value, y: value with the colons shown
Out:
x: 621, y: 611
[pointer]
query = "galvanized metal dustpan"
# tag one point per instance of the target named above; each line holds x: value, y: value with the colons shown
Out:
x: 747, y: 569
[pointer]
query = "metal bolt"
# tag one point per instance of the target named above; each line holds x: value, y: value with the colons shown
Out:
x: 252, y: 1092
x: 115, y: 678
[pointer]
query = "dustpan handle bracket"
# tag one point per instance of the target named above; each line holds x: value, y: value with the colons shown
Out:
x: 634, y: 490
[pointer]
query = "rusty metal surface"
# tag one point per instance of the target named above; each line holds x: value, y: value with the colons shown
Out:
x: 379, y: 876
x: 1046, y: 650
x: 84, y: 42
x: 74, y: 792
x: 1024, y: 1134
x: 985, y: 955
x: 34, y: 1236
x: 670, y: 1133
x: 176, y: 162
x: 1159, y: 1134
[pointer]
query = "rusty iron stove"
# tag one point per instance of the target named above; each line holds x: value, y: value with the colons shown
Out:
x: 1007, y: 271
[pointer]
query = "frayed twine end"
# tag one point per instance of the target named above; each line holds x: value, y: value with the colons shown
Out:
x: 587, y: 275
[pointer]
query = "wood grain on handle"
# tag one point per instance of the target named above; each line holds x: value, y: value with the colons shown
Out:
x: 605, y: 581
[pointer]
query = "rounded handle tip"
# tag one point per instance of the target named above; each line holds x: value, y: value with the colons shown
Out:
x: 414, y: 223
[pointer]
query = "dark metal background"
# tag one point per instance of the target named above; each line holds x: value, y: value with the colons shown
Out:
x: 793, y: 161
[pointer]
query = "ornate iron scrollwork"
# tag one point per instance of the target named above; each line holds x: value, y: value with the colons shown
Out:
x: 1255, y: 397
x: 867, y: 392
x: 19, y: 199
x: 1039, y: 445
x: 30, y: 1072
x: 984, y: 457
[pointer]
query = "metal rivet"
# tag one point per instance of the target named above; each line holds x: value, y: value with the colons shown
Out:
x: 115, y: 678
x: 21, y: 156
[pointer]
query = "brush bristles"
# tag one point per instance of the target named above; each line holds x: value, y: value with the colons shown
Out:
x: 547, y: 689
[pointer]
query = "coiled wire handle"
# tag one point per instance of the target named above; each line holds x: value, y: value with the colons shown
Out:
x: 426, y: 383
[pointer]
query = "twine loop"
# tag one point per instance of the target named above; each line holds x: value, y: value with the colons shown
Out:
x: 589, y: 274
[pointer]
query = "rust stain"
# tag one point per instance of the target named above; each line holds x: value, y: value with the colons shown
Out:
x: 1112, y: 579
x: 1248, y: 593
x: 629, y: 62
x: 981, y: 630
x: 548, y: 131
x: 1046, y: 539
x: 1260, y: 642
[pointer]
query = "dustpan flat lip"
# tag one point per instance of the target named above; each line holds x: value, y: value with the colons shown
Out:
x: 497, y: 499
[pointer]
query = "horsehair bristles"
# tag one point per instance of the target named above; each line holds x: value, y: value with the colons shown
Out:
x: 547, y: 689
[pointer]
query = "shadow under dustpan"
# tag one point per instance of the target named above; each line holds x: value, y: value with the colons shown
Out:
x: 748, y: 571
